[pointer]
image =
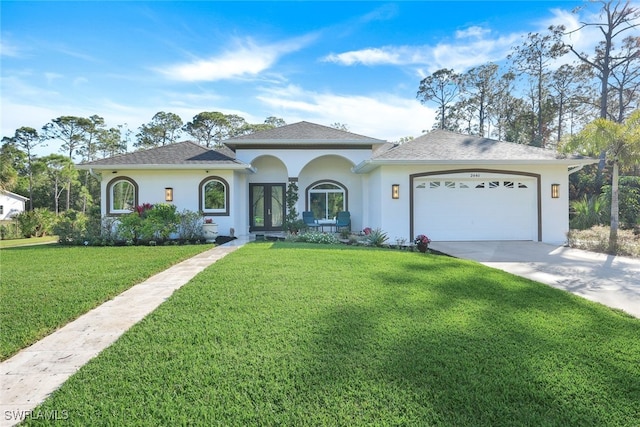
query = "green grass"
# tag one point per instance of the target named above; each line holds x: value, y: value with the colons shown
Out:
x: 44, y: 287
x: 12, y: 243
x: 296, y: 334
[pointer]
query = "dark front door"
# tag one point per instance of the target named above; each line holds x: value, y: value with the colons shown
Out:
x: 267, y: 206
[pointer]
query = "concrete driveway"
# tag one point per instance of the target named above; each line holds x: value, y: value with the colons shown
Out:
x: 609, y: 280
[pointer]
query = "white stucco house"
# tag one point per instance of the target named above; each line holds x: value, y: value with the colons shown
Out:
x: 443, y: 184
x: 11, y: 204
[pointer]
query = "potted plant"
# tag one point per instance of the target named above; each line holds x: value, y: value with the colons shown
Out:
x: 422, y: 242
x: 209, y: 230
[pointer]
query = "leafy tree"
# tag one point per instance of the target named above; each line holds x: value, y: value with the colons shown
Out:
x: 533, y: 58
x: 71, y: 131
x: 625, y: 81
x: 563, y: 84
x: 113, y: 141
x: 616, y: 19
x: 164, y: 128
x: 237, y: 126
x: 11, y: 160
x: 208, y: 127
x: 76, y: 134
x: 441, y: 87
x: 26, y: 139
x: 478, y: 89
x: 61, y: 173
x: 621, y: 144
x: 274, y: 122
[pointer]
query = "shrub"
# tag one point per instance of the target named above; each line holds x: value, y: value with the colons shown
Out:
x: 159, y: 222
x: 129, y: 227
x: 36, y: 223
x: 587, y: 212
x: 10, y: 230
x: 189, y: 225
x: 377, y: 237
x: 317, y: 237
x: 71, y: 227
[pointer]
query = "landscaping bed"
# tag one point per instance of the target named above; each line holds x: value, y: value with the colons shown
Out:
x: 596, y: 239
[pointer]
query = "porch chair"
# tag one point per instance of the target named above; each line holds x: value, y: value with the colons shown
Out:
x: 309, y: 220
x: 343, y: 220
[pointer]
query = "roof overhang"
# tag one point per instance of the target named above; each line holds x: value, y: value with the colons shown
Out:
x: 304, y: 143
x: 239, y: 167
x: 370, y: 165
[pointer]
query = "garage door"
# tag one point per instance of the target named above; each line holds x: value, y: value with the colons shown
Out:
x: 496, y: 208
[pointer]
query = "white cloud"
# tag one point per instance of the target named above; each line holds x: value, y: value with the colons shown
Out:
x: 472, y: 47
x: 246, y: 59
x: 382, y: 115
x: 373, y: 56
x: 474, y: 31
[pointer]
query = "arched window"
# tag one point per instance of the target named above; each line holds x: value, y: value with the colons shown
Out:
x: 122, y: 195
x: 326, y: 198
x: 214, y: 196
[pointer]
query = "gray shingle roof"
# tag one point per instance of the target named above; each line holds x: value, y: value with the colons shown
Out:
x: 302, y: 133
x: 181, y: 154
x: 450, y: 146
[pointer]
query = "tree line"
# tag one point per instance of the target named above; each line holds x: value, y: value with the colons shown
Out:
x: 534, y: 101
x: 53, y: 182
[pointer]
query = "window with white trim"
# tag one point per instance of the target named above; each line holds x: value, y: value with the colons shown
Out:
x: 122, y: 195
x: 214, y: 196
x: 326, y: 199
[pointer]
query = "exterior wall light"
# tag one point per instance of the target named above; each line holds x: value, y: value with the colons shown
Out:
x: 168, y: 194
x: 395, y: 191
x: 555, y: 191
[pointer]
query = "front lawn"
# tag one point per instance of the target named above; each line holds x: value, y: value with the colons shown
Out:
x: 298, y: 334
x: 45, y: 287
x: 12, y: 243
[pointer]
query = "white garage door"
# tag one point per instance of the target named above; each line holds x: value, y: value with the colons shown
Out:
x: 497, y: 208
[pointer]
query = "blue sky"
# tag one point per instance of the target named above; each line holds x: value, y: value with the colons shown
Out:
x: 357, y: 63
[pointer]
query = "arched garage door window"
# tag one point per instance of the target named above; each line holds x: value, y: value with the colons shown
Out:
x: 122, y: 195
x: 325, y: 199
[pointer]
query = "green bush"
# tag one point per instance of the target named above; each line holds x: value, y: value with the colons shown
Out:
x: 317, y: 237
x: 377, y: 237
x: 160, y: 222
x: 10, y: 230
x: 149, y: 223
x: 129, y: 227
x: 71, y: 227
x: 587, y: 212
x: 190, y: 225
x: 36, y: 223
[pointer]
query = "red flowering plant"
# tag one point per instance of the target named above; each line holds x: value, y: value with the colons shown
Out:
x: 143, y: 208
x: 422, y: 242
x: 367, y: 231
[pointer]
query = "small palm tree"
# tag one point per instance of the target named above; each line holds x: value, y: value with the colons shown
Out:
x: 587, y: 212
x: 621, y: 143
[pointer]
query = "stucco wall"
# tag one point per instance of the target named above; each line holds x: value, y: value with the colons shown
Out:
x: 185, y: 183
x: 394, y: 215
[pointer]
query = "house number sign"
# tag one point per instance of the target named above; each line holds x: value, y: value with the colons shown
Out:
x: 475, y: 175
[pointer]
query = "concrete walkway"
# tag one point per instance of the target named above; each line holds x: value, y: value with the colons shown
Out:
x: 31, y: 375
x: 610, y: 280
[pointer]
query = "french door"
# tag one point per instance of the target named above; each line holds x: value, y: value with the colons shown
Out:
x: 267, y: 207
